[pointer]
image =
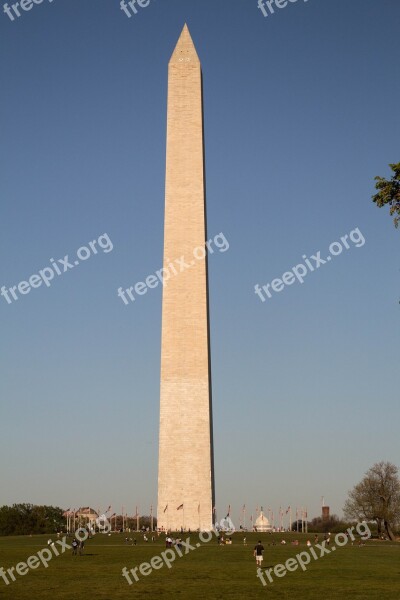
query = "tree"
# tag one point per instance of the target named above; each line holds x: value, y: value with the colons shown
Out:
x: 377, y: 498
x: 26, y: 519
x: 333, y: 524
x: 389, y: 192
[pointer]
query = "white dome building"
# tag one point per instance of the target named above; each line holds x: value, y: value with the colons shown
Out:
x: 262, y: 524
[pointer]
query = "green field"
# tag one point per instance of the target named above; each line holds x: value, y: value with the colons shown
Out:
x: 210, y: 571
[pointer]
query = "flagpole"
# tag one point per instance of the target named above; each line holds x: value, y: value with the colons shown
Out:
x: 306, y: 520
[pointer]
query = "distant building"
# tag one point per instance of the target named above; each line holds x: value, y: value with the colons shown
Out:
x: 262, y: 524
x: 85, y: 516
x: 325, y: 513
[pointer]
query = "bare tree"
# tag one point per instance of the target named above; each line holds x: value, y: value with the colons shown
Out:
x: 377, y: 498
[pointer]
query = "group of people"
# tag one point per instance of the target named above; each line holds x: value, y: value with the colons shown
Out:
x: 169, y: 542
x: 259, y: 548
x: 222, y: 541
x: 130, y: 541
x: 77, y: 547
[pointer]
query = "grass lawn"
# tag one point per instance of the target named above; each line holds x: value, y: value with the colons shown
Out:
x: 210, y: 571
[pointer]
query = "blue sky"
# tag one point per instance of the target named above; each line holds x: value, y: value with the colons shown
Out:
x: 300, y: 114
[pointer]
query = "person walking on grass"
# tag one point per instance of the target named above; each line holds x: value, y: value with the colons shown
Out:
x: 74, y: 547
x: 258, y: 553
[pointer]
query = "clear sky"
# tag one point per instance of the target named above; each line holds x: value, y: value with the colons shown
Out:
x: 301, y: 112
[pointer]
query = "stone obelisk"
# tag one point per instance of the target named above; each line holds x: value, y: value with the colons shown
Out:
x: 185, y: 472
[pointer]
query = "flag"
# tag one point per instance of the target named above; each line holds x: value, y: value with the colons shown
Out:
x: 180, y: 507
x: 229, y: 511
x: 165, y: 508
x: 288, y: 509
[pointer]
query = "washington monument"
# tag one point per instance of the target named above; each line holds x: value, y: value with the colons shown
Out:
x: 185, y: 471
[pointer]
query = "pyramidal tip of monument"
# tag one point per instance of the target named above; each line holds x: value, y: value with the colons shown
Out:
x: 185, y: 51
